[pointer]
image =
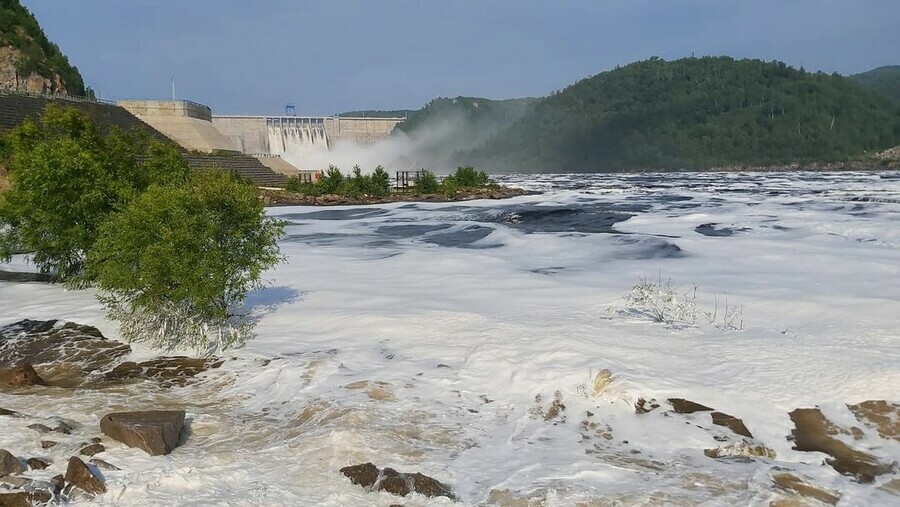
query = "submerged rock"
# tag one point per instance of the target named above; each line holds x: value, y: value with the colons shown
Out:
x: 68, y: 350
x: 9, y: 464
x: 38, y: 463
x: 92, y: 449
x: 103, y: 465
x: 167, y: 370
x: 683, y: 406
x: 882, y: 415
x: 156, y: 432
x: 814, y: 432
x: 369, y: 477
x: 21, y: 376
x: 793, y: 483
x: 78, y: 475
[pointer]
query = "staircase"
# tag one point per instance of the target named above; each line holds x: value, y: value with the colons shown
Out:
x: 245, y: 166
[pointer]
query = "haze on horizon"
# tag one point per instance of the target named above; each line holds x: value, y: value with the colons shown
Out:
x: 242, y: 57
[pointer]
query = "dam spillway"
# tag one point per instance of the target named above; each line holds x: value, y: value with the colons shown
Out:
x: 279, y: 135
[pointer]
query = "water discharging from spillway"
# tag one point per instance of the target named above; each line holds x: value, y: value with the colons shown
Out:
x: 297, y: 140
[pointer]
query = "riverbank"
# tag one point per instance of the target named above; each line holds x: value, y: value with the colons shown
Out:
x: 277, y: 197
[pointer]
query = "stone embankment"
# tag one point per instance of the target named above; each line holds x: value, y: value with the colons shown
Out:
x: 285, y: 198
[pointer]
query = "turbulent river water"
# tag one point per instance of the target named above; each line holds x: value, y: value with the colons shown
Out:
x: 487, y: 344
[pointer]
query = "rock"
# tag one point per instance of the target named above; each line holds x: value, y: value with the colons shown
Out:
x: 9, y: 464
x: 15, y: 481
x: 25, y: 498
x: 23, y: 376
x: 42, y: 428
x: 46, y: 444
x: 10, y: 413
x: 103, y: 465
x: 733, y: 423
x: 92, y: 449
x: 364, y: 475
x: 742, y: 449
x: 793, y: 483
x: 67, y: 351
x: 642, y: 406
x: 38, y: 463
x: 369, y: 477
x: 814, y: 432
x: 167, y: 370
x: 683, y: 406
x: 79, y: 475
x: 882, y: 415
x: 156, y: 432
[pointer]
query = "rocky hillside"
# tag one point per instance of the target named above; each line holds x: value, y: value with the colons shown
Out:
x: 28, y: 60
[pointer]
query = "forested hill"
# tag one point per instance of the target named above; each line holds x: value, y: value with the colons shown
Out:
x: 690, y: 114
x: 28, y: 60
x: 885, y: 80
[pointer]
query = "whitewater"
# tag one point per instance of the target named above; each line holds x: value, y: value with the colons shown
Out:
x: 487, y: 344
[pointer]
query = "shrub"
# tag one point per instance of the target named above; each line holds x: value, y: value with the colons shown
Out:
x: 331, y: 180
x: 468, y: 177
x: 426, y: 183
x: 66, y: 178
x: 662, y: 302
x: 175, y: 266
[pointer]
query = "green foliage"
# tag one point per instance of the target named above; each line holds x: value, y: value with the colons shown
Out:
x: 67, y: 178
x: 694, y: 113
x: 377, y: 184
x: 370, y: 113
x: 426, y: 183
x: 468, y: 177
x: 884, y: 80
x: 21, y: 31
x: 185, y: 254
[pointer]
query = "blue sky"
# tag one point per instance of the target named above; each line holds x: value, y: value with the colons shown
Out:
x: 253, y: 56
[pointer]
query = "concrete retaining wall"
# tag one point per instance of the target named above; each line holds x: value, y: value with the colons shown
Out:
x: 187, y: 123
x: 247, y: 134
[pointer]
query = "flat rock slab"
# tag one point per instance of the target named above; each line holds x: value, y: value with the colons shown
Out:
x: 156, y: 432
x: 166, y: 370
x: 79, y: 475
x: 25, y: 498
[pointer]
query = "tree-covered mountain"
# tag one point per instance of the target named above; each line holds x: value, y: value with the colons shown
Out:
x: 885, y: 80
x: 685, y: 114
x: 377, y: 113
x: 28, y: 60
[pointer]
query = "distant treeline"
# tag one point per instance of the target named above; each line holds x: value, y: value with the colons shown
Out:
x: 692, y: 113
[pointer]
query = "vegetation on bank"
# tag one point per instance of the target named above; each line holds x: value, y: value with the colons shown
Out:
x: 173, y: 252
x: 378, y: 184
x: 20, y: 31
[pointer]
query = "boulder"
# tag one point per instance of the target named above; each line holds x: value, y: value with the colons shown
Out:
x: 92, y: 449
x: 80, y: 476
x: 683, y: 406
x: 156, y: 432
x: 23, y: 376
x: 9, y: 464
x: 371, y: 478
x: 733, y: 423
x: 37, y: 463
x: 25, y: 498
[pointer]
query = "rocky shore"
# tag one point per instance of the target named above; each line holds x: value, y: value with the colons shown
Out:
x: 273, y: 197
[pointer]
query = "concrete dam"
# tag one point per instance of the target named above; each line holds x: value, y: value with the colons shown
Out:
x: 300, y: 136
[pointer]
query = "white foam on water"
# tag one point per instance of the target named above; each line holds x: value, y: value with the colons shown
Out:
x: 400, y: 350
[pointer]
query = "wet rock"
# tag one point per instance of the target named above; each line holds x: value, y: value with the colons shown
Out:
x: 814, y: 432
x: 169, y: 371
x: 733, y: 423
x: 16, y: 482
x: 103, y: 465
x: 37, y: 463
x: 80, y: 476
x: 683, y: 406
x: 369, y: 477
x: 742, y: 449
x: 23, y: 277
x: 156, y: 432
x: 41, y: 428
x: 71, y: 348
x: 9, y: 464
x: 92, y: 449
x: 793, y: 483
x: 22, y: 376
x: 9, y: 413
x: 25, y: 498
x: 642, y: 406
x: 882, y: 415
x: 365, y: 474
x: 46, y: 444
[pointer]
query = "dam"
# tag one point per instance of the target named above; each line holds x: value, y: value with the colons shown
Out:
x: 300, y: 135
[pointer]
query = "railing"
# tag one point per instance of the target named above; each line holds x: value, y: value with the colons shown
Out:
x: 56, y: 96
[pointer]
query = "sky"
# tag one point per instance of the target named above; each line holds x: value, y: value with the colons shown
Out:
x: 330, y: 56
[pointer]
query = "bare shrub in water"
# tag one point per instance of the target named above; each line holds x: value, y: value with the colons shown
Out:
x: 662, y: 302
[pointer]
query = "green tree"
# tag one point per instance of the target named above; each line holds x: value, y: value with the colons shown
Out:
x: 175, y: 266
x: 426, y: 183
x: 66, y: 179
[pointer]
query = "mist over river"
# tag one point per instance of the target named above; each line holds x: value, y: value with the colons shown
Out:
x: 487, y: 344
